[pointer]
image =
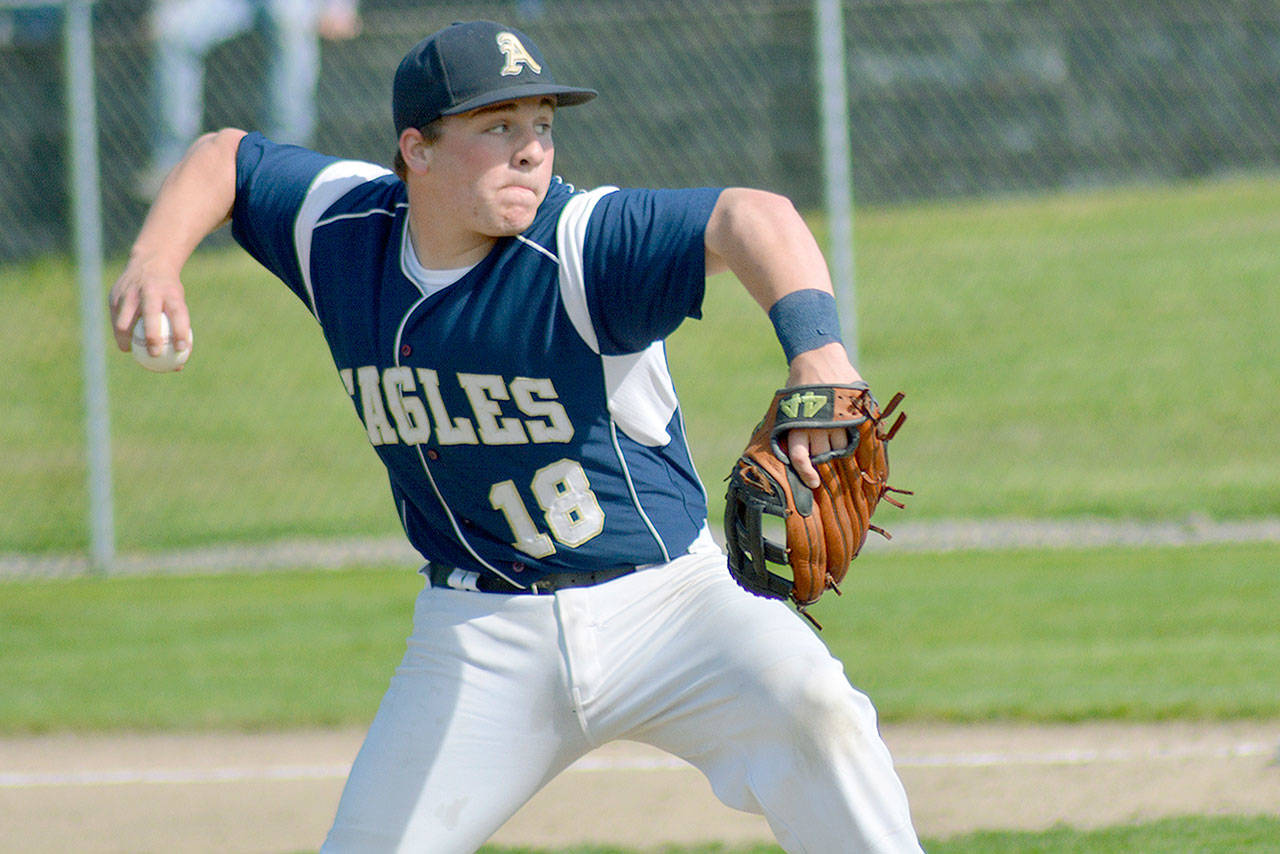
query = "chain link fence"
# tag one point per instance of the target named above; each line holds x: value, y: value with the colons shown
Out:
x: 947, y: 98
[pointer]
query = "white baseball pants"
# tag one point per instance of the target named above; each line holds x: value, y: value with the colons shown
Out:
x: 497, y: 694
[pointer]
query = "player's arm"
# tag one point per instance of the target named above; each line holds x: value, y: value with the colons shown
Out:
x: 339, y: 20
x: 194, y: 201
x: 761, y: 238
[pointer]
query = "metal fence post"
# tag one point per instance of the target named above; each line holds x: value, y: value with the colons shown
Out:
x: 828, y: 22
x: 82, y: 141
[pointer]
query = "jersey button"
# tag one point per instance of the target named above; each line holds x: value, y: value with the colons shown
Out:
x: 405, y: 350
x: 433, y: 454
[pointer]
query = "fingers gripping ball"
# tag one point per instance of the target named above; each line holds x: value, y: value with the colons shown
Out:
x: 169, y: 358
x: 825, y: 527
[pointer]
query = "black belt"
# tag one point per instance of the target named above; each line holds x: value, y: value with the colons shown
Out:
x: 442, y: 575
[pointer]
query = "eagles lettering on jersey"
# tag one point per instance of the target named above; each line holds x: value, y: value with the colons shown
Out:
x: 524, y: 413
x: 393, y: 404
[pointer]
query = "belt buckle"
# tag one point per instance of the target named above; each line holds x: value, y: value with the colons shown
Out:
x: 464, y: 579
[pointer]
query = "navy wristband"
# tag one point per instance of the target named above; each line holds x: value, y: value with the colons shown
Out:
x: 805, y: 320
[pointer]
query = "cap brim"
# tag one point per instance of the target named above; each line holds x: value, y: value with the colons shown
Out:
x: 566, y: 96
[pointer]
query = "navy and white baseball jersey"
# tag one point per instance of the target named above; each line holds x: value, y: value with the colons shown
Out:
x: 523, y: 408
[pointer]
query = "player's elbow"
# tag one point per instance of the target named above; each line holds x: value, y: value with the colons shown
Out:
x: 745, y: 219
x: 224, y: 139
x: 746, y: 208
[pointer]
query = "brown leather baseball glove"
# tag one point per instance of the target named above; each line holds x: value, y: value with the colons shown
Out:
x: 825, y: 527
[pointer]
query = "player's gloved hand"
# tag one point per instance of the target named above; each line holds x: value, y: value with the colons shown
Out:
x: 827, y: 365
x: 825, y: 526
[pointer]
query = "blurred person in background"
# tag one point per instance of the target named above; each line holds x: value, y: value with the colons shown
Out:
x: 186, y: 30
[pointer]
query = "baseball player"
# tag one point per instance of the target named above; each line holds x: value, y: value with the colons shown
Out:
x: 500, y: 334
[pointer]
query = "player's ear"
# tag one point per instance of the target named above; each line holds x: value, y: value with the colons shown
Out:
x: 415, y: 150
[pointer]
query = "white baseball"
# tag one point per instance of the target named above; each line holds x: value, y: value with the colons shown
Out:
x: 169, y: 358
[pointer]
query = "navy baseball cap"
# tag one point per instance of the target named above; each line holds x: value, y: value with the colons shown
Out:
x: 471, y: 65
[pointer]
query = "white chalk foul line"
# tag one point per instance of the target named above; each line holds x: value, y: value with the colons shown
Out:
x: 1086, y: 756
x: 599, y: 763
x: 171, y: 776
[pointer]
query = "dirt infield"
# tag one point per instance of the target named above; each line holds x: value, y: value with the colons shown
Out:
x: 275, y: 792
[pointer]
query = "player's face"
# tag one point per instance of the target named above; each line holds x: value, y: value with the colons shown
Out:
x: 495, y: 164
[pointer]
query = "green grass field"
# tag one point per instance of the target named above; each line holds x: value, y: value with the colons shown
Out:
x: 1140, y: 634
x: 1175, y: 836
x: 1108, y: 353
x: 1103, y: 354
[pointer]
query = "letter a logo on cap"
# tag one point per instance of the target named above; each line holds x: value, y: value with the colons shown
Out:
x: 515, y: 55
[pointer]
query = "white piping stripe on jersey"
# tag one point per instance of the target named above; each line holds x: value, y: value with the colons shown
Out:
x: 453, y: 522
x: 395, y: 349
x: 538, y: 247
x: 444, y: 505
x: 406, y: 248
x: 571, y: 235
x: 684, y: 432
x: 631, y: 488
x: 330, y: 184
x: 362, y: 214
